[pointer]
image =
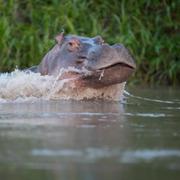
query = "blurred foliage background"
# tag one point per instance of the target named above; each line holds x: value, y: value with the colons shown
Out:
x: 149, y: 28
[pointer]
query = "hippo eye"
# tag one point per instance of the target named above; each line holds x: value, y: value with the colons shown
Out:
x: 70, y: 44
x: 73, y: 45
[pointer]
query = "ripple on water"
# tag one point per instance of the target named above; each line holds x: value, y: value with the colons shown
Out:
x: 153, y: 115
x: 149, y: 155
x: 171, y: 108
x: 128, y: 156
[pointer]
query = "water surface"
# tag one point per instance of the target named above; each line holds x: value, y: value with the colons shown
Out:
x: 134, y: 139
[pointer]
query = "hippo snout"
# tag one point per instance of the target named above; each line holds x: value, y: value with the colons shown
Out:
x: 105, y: 56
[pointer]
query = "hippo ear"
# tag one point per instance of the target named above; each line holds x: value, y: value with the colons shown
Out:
x: 59, y: 38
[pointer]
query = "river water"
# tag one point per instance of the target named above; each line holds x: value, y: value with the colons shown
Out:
x: 137, y: 138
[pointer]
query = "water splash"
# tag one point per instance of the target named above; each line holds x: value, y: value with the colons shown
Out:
x: 28, y: 86
x: 101, y: 75
x: 19, y: 84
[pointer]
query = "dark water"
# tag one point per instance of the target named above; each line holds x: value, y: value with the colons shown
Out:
x: 136, y: 139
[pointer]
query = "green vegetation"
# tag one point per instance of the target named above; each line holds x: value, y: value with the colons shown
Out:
x: 149, y: 28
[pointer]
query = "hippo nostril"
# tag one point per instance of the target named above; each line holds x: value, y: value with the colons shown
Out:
x: 80, y: 60
x: 82, y: 57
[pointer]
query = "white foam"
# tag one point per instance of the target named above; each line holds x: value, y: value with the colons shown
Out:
x: 19, y: 84
x: 22, y: 86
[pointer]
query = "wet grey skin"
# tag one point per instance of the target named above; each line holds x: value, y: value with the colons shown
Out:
x: 113, y: 63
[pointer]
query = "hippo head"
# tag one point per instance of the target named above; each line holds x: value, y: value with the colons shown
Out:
x: 106, y: 64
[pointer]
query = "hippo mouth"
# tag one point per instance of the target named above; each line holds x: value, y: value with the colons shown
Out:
x: 106, y: 76
x: 121, y: 65
x: 103, y: 76
x: 89, y: 72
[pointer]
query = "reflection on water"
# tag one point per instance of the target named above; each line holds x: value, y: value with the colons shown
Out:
x: 135, y: 139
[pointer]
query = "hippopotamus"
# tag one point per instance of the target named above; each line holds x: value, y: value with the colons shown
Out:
x: 100, y: 67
